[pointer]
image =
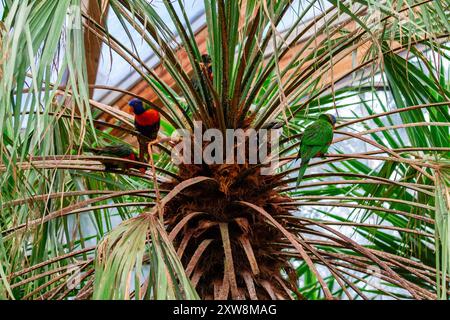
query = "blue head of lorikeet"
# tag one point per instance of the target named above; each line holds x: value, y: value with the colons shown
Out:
x: 137, y: 105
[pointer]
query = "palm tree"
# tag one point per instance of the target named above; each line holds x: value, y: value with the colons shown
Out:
x: 370, y: 220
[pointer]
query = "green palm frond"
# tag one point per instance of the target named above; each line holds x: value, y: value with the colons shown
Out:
x: 370, y: 220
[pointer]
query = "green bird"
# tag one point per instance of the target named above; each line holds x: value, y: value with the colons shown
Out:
x: 316, y: 140
x: 123, y: 151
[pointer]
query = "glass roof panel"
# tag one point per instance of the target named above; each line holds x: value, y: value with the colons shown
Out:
x: 113, y: 70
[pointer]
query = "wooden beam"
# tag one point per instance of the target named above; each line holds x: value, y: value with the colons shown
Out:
x: 98, y: 11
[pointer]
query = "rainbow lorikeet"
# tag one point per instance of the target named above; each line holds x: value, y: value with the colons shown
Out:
x: 206, y: 68
x: 315, y: 142
x: 147, y: 122
x: 146, y: 119
x: 122, y: 151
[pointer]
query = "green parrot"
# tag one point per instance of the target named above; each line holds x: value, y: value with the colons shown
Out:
x: 316, y: 140
x: 123, y: 151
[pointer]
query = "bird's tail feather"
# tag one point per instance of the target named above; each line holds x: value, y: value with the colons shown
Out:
x: 77, y: 148
x: 94, y: 150
x: 302, y: 170
x: 306, y: 157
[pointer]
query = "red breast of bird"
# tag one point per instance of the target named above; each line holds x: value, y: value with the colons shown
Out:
x: 148, y: 118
